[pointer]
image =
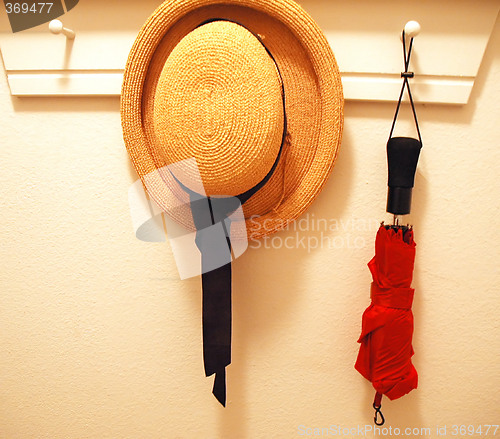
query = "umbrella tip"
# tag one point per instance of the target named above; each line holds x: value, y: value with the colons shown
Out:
x: 377, y: 405
x: 378, y: 414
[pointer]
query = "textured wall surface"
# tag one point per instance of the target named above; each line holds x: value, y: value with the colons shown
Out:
x: 100, y: 339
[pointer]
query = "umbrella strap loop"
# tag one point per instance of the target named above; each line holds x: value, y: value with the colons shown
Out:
x: 377, y: 405
x: 406, y: 75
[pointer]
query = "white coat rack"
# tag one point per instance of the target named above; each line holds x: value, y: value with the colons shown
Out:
x: 361, y: 33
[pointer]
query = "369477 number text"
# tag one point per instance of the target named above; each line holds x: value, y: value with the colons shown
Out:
x: 26, y: 8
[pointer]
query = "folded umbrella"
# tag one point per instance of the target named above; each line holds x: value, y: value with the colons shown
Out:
x: 387, y: 325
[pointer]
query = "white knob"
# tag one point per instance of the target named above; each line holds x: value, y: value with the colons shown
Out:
x: 56, y: 27
x: 412, y: 29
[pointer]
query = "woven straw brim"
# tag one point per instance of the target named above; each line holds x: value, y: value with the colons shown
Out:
x: 314, y: 105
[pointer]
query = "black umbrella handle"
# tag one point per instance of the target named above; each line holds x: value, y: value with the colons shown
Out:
x: 402, y: 159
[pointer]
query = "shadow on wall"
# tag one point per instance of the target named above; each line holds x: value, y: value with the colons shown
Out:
x: 267, y: 284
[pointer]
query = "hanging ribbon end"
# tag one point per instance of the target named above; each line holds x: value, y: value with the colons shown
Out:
x: 219, y: 389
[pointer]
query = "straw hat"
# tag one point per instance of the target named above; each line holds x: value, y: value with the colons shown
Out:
x: 243, y: 94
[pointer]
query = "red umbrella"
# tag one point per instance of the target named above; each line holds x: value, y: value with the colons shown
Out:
x: 387, y: 326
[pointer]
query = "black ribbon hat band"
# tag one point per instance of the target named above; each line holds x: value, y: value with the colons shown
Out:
x: 216, y: 282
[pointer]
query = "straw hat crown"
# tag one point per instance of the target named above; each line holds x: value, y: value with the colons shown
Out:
x: 219, y: 100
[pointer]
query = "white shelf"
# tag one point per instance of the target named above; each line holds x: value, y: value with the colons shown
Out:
x: 364, y: 36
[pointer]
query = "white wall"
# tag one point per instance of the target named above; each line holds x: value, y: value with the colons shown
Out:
x: 100, y: 339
